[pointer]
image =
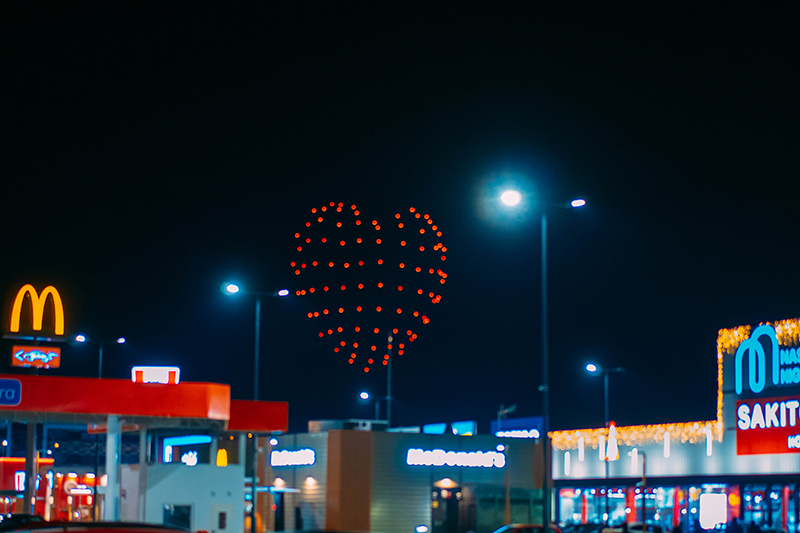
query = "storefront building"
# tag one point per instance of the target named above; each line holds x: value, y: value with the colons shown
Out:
x: 346, y: 479
x: 743, y: 466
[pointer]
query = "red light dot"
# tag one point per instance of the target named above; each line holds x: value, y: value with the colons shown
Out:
x: 342, y: 343
x: 378, y: 309
x: 385, y: 363
x: 342, y: 287
x: 397, y: 215
x: 426, y: 217
x: 330, y: 332
x: 324, y: 208
x: 347, y: 265
x: 353, y: 207
x: 316, y: 313
x: 303, y: 265
x: 338, y: 209
x: 402, y: 346
x: 361, y: 263
x: 434, y: 228
x: 360, y: 285
x: 373, y: 348
x: 441, y: 281
x: 313, y: 263
x: 341, y: 310
x: 359, y: 310
x: 422, y: 230
x: 378, y: 241
x: 321, y: 334
x: 400, y: 225
x: 358, y: 329
x: 341, y: 243
x: 333, y: 204
x: 376, y: 330
x: 325, y: 288
x: 356, y: 213
x: 374, y: 222
x: 430, y: 294
x: 339, y: 329
x: 400, y: 288
x: 308, y: 240
x: 444, y: 248
x: 370, y: 361
x: 438, y: 233
x: 336, y: 349
x: 310, y: 315
x: 355, y: 345
x: 319, y: 219
x: 394, y: 331
x: 399, y: 311
x: 324, y: 311
x: 366, y: 369
x: 402, y: 265
x: 412, y: 209
x: 417, y: 215
x: 324, y: 239
x: 402, y: 243
x: 443, y: 258
x: 377, y: 228
x: 416, y: 313
x: 308, y: 224
x: 418, y: 269
x: 358, y: 240
x: 299, y: 248
x: 293, y: 263
x: 313, y: 209
x: 330, y: 264
x: 399, y: 352
x: 380, y: 285
x: 297, y: 272
x: 430, y: 271
x: 350, y: 361
x: 408, y: 333
x: 419, y: 291
x: 421, y: 248
x: 358, y: 222
x: 296, y: 235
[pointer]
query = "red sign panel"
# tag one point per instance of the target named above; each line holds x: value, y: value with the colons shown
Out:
x: 36, y: 356
x: 768, y: 425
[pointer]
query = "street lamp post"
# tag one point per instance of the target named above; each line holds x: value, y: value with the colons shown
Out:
x: 232, y: 289
x: 512, y: 198
x: 593, y: 368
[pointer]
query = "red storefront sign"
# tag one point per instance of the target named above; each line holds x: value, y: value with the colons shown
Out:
x: 768, y: 425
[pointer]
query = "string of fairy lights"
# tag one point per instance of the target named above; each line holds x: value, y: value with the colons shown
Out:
x: 728, y: 341
x: 395, y: 271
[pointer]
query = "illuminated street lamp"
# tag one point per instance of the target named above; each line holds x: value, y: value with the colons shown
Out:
x: 231, y: 289
x: 596, y: 369
x: 101, y: 344
x: 513, y: 198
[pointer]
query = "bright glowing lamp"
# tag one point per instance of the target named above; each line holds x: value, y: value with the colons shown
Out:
x: 80, y: 338
x: 592, y: 368
x: 283, y: 292
x: 511, y: 197
x: 364, y: 395
x: 230, y: 288
x: 121, y: 340
x: 579, y: 202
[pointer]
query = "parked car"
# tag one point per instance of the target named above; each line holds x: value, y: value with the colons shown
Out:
x: 527, y: 528
x: 42, y: 526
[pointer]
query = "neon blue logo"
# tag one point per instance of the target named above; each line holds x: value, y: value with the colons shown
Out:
x: 763, y: 352
x: 35, y: 355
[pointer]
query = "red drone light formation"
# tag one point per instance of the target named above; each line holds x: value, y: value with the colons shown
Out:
x: 371, y: 314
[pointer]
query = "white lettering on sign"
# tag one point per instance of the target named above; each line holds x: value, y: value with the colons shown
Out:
x: 303, y: 457
x: 168, y: 375
x: 418, y: 457
x: 771, y: 414
x: 793, y: 441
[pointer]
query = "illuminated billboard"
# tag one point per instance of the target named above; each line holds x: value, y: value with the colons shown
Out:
x: 38, y: 302
x: 36, y: 356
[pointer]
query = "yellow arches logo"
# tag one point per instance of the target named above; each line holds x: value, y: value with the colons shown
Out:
x: 38, y: 302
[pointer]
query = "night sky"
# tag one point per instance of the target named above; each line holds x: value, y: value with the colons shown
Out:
x: 151, y: 151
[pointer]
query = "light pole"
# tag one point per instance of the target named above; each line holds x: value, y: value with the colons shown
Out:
x: 594, y: 369
x: 513, y: 198
x: 365, y: 396
x: 231, y: 289
x: 101, y: 344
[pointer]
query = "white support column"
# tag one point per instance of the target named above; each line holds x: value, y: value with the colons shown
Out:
x: 143, y: 464
x: 111, y: 508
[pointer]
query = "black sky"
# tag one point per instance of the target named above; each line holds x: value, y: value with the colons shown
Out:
x: 151, y: 151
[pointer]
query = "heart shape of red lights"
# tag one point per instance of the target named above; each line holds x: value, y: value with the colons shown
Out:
x: 366, y: 285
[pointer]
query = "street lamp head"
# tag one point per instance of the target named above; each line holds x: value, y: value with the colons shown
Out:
x: 80, y: 338
x: 511, y: 197
x: 593, y: 368
x: 364, y: 395
x: 283, y: 292
x: 230, y: 288
x: 578, y: 202
x: 121, y: 340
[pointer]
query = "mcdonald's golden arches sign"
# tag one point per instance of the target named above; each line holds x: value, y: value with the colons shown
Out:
x: 38, y: 304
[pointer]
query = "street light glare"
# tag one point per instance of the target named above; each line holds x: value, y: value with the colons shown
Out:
x: 283, y: 292
x: 511, y: 197
x: 591, y: 367
x: 121, y: 340
x: 364, y: 396
x: 80, y: 338
x: 580, y: 202
x: 231, y: 288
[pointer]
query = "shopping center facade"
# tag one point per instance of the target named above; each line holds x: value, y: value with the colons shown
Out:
x: 743, y: 465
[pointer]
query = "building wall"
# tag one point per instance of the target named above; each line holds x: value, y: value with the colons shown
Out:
x: 207, y: 488
x: 349, y: 481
